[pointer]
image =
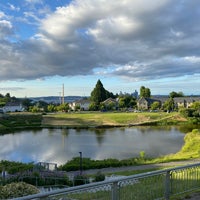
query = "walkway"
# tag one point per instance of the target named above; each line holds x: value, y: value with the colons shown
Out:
x: 194, y: 196
x: 139, y: 167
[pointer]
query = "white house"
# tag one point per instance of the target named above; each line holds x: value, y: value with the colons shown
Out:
x: 83, y: 104
x: 13, y: 107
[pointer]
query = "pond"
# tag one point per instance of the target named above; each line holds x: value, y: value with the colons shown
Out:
x: 60, y: 145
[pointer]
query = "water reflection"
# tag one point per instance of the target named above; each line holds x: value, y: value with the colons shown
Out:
x: 61, y: 145
x: 100, y: 134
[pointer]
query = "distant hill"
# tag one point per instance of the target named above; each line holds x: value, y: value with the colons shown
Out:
x: 57, y: 99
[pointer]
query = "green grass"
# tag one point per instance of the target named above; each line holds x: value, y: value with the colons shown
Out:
x: 86, y: 119
x: 133, y: 172
x: 13, y: 121
x: 149, y: 187
x: 190, y: 150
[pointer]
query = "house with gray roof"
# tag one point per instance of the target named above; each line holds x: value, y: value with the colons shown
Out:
x: 145, y: 103
x: 13, y: 107
x: 180, y: 102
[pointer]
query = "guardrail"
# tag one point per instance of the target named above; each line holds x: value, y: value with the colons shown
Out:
x: 161, y: 184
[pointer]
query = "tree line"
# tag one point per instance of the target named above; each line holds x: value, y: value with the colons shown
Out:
x: 97, y: 97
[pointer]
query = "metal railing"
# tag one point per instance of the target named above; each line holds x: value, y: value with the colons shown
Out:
x: 161, y: 184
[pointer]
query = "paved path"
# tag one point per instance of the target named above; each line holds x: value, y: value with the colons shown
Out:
x: 140, y: 167
x: 195, y: 196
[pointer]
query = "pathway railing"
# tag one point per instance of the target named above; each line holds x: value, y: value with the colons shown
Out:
x: 161, y: 184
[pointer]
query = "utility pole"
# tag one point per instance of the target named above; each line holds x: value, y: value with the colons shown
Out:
x: 60, y: 100
x: 63, y: 94
x: 81, y: 160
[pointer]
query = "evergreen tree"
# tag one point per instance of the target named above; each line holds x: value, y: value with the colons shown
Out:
x: 99, y: 93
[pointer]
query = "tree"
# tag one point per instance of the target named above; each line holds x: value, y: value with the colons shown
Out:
x: 63, y: 107
x: 145, y: 92
x: 100, y: 94
x: 187, y: 112
x: 51, y: 108
x: 93, y: 106
x: 169, y: 105
x: 7, y: 95
x: 34, y: 109
x: 26, y: 103
x: 196, y: 105
x: 175, y: 94
x: 155, y: 105
x: 127, y: 101
x: 42, y: 105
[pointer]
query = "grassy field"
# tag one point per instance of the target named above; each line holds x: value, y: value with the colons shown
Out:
x: 13, y: 121
x: 98, y: 119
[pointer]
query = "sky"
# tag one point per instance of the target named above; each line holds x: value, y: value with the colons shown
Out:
x: 124, y: 43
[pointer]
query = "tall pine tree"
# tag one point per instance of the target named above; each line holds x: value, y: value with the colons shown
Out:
x: 100, y: 94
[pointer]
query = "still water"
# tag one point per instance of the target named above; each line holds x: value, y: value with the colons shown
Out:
x: 61, y: 145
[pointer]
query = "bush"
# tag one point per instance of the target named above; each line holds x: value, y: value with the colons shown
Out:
x: 189, y: 112
x: 13, y: 167
x: 15, y: 190
x: 99, y: 177
x: 80, y: 180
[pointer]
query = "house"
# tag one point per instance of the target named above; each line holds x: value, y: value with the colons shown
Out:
x: 13, y: 107
x: 110, y: 102
x: 179, y: 102
x: 145, y: 103
x: 185, y: 102
x: 82, y: 104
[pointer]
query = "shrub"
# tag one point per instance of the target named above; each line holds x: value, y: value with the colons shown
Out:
x: 13, y: 167
x: 142, y: 155
x: 80, y: 180
x: 99, y: 177
x: 15, y: 190
x: 188, y: 112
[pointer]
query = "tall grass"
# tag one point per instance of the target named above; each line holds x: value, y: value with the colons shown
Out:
x: 190, y: 149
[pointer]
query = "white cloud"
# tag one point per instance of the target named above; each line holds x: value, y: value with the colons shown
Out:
x: 176, y: 33
x: 138, y: 39
x: 14, y: 8
x: 31, y: 15
x: 34, y: 1
x: 2, y: 15
x: 192, y: 59
x: 5, y: 28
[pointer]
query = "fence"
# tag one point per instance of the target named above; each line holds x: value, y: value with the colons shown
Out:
x: 161, y: 184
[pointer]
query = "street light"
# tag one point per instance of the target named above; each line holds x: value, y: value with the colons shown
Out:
x: 81, y: 168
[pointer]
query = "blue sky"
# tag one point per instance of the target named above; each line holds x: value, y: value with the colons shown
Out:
x: 124, y: 43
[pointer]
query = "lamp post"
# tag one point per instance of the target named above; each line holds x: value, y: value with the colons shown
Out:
x: 81, y: 168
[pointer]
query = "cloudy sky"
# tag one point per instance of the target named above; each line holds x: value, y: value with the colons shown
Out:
x: 124, y: 43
